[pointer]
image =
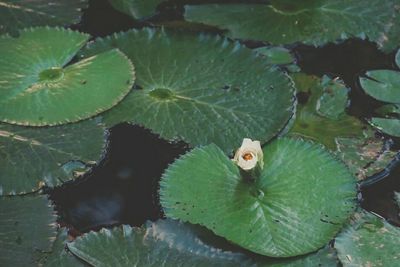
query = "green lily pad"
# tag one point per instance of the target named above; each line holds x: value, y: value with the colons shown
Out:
x: 32, y: 157
x: 398, y: 58
x: 387, y: 125
x: 39, y: 88
x: 155, y: 245
x: 390, y: 40
x: 275, y: 55
x: 384, y: 85
x: 199, y: 88
x: 320, y: 114
x: 137, y: 9
x: 59, y: 256
x: 299, y: 202
x: 27, y: 227
x: 365, y: 156
x: 369, y: 241
x: 19, y: 14
x: 287, y: 21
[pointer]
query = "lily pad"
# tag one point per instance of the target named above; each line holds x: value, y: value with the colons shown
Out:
x: 32, y: 157
x: 365, y: 156
x: 275, y: 55
x: 383, y: 85
x: 369, y: 241
x: 199, y: 88
x: 155, y: 245
x: 387, y: 125
x: 27, y: 227
x: 59, y: 256
x: 320, y: 114
x: 42, y: 89
x: 398, y: 58
x: 286, y: 21
x: 137, y: 9
x: 287, y: 211
x: 19, y: 14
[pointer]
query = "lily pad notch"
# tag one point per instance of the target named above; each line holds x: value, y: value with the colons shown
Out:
x: 45, y: 88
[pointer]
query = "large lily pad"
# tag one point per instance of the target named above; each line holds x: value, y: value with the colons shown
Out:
x: 137, y: 9
x: 27, y: 228
x: 39, y: 88
x: 33, y: 157
x: 299, y: 202
x: 18, y: 14
x: 369, y: 241
x: 199, y: 88
x: 383, y: 85
x: 286, y: 21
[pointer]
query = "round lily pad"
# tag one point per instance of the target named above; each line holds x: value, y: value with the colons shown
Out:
x: 19, y: 14
x: 137, y: 9
x: 287, y: 21
x: 40, y: 87
x: 199, y: 88
x: 27, y: 228
x: 387, y: 125
x: 369, y: 241
x: 298, y: 203
x: 383, y: 85
x: 32, y: 157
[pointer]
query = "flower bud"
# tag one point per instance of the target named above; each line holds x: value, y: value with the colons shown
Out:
x: 249, y: 155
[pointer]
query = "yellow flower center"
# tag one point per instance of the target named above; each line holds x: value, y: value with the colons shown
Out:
x: 247, y: 156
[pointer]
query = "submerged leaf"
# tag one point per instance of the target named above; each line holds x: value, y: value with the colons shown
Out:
x: 27, y: 228
x: 303, y: 195
x: 286, y: 21
x: 19, y: 14
x: 34, y: 157
x: 320, y: 114
x: 369, y: 241
x: 137, y: 9
x: 200, y: 88
x: 41, y: 89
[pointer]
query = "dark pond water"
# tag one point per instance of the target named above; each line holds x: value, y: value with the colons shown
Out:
x: 123, y: 188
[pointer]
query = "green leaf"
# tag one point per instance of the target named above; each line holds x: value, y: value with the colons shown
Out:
x: 199, y: 88
x: 391, y: 39
x: 388, y: 126
x: 383, y: 85
x: 303, y: 195
x: 18, y: 14
x: 369, y: 241
x: 164, y: 243
x: 59, y: 256
x: 287, y: 21
x: 316, y: 119
x: 39, y: 88
x: 33, y: 157
x: 275, y: 55
x: 365, y: 156
x: 398, y: 58
x: 27, y: 227
x: 137, y: 9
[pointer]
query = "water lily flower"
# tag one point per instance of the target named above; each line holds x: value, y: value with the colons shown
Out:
x: 249, y: 155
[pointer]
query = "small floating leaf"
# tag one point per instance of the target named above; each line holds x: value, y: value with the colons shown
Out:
x: 398, y: 58
x: 27, y: 228
x: 303, y: 195
x: 137, y: 9
x: 383, y: 85
x: 315, y: 118
x: 275, y: 55
x: 388, y: 126
x: 33, y: 157
x: 19, y: 14
x: 287, y: 21
x: 39, y: 89
x: 200, y: 88
x: 369, y: 241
